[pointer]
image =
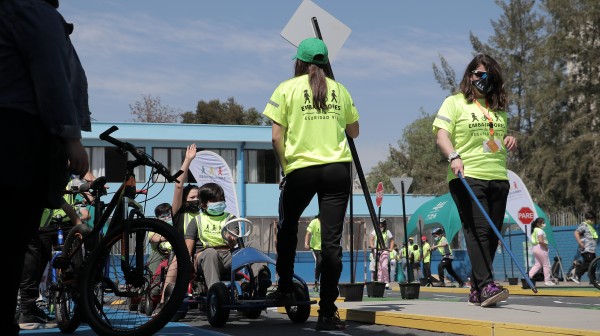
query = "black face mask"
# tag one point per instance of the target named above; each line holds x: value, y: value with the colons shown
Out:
x: 483, y: 84
x: 192, y: 206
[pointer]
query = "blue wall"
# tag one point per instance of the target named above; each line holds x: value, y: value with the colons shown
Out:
x: 565, y: 246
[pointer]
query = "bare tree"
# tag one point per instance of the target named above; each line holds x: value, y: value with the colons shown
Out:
x: 150, y: 110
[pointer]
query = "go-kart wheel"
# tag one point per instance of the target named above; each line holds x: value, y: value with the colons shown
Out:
x: 299, y: 314
x: 217, y: 297
x: 251, y: 313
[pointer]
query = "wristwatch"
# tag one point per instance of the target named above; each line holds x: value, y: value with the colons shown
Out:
x: 453, y: 156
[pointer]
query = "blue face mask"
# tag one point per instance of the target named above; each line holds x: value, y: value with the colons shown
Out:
x: 215, y: 208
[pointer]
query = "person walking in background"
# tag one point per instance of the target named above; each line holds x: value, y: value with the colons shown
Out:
x: 44, y: 107
x: 540, y: 251
x: 371, y: 266
x: 312, y: 241
x: 415, y: 260
x: 471, y: 131
x: 587, y: 239
x: 403, y: 259
x: 426, y: 261
x: 393, y: 263
x: 309, y: 139
x: 443, y: 247
x: 383, y: 274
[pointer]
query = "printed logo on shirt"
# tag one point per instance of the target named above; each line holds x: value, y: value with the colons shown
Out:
x: 310, y: 113
x: 479, y: 126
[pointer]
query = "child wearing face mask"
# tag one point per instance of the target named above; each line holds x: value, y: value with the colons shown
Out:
x: 540, y: 251
x: 214, y: 259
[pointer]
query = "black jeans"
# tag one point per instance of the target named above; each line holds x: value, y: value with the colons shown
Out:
x: 446, y: 264
x: 331, y: 183
x: 587, y: 260
x: 480, y: 238
x: 427, y: 272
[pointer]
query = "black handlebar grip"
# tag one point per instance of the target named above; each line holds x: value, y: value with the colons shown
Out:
x: 105, y: 134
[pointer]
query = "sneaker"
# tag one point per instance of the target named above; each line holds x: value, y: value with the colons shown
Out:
x: 281, y: 298
x: 158, y: 309
x: 330, y: 322
x: 549, y: 283
x: 462, y: 285
x: 264, y: 281
x: 575, y: 279
x: 474, y: 298
x: 493, y: 293
x: 36, y: 319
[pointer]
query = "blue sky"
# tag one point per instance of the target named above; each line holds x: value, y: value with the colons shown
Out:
x: 184, y: 51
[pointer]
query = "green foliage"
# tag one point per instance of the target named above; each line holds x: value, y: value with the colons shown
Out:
x: 223, y: 113
x: 417, y: 156
x: 550, y: 55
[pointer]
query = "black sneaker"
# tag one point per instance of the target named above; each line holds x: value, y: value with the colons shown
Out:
x: 36, y: 319
x: 281, y: 298
x: 330, y: 322
x: 264, y: 281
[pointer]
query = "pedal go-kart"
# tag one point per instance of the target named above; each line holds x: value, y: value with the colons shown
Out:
x: 243, y: 291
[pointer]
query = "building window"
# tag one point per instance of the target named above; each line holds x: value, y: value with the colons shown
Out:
x: 111, y: 162
x: 172, y: 158
x: 261, y: 166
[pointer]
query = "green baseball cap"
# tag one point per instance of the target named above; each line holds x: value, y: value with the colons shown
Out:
x: 312, y: 50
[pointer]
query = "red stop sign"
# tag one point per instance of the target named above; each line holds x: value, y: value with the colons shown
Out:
x: 379, y: 194
x: 525, y: 215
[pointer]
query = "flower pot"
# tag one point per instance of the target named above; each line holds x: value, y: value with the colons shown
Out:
x: 410, y: 290
x: 513, y: 281
x: 352, y: 291
x: 375, y: 289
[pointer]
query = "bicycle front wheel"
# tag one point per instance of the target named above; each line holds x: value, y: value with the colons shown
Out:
x: 66, y: 295
x: 113, y: 280
x: 594, y: 272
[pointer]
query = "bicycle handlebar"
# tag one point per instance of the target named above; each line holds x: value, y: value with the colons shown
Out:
x: 141, y: 157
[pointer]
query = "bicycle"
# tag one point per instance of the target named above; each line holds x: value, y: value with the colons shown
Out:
x: 59, y: 301
x: 594, y: 272
x: 105, y: 273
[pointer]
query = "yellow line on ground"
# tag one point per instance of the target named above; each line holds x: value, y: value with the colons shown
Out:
x: 448, y: 324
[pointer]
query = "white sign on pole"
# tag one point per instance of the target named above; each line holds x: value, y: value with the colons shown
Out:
x: 519, y: 203
x: 397, y: 183
x: 300, y: 27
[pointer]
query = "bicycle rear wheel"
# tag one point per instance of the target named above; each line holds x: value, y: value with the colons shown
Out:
x: 108, y: 286
x: 594, y: 272
x: 68, y: 316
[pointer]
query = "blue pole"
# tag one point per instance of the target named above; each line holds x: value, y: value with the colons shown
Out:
x: 525, y: 275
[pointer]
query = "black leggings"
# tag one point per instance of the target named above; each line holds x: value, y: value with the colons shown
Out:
x: 331, y: 183
x: 480, y: 238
